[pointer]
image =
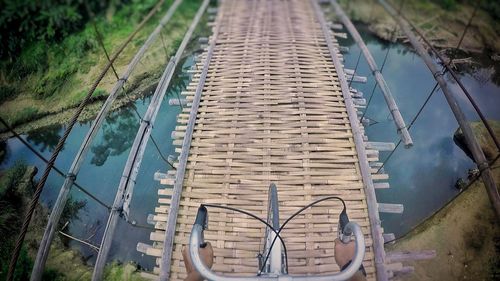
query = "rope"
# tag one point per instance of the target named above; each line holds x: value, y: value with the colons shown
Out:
x: 60, y: 144
x: 410, y: 125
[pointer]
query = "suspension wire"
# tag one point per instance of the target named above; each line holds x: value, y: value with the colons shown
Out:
x: 38, y: 191
x: 459, y: 82
x: 130, y: 99
x: 160, y: 153
x: 409, y: 126
x: 101, y: 43
x: 277, y: 232
x: 467, y: 26
x: 393, y: 34
x: 164, y: 46
x: 56, y: 169
x: 355, y: 68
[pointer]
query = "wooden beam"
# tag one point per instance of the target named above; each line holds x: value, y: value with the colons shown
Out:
x: 399, y: 256
x: 55, y: 215
x: 389, y: 99
x: 472, y: 143
x: 371, y: 198
x: 166, y: 255
x: 123, y: 197
x: 390, y: 208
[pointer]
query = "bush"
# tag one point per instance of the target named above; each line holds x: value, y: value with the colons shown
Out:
x: 25, y: 115
x: 7, y: 92
x: 23, y: 22
x: 447, y: 4
x: 10, y: 179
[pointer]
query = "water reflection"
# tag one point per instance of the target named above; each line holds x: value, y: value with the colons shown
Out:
x: 118, y: 132
x: 4, y: 151
x: 45, y: 138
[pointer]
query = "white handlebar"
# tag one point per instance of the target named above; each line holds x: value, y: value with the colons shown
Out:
x: 197, y: 239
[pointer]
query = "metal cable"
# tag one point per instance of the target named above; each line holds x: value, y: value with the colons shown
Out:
x: 62, y: 140
x: 467, y: 26
x: 300, y: 211
x: 409, y: 126
x: 459, y: 82
x: 355, y: 68
x: 375, y: 85
x: 58, y: 171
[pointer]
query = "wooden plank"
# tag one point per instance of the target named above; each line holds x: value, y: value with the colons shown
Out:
x: 390, y: 208
x: 399, y: 256
x: 363, y: 161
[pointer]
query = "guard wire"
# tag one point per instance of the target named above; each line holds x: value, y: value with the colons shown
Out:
x: 409, y: 126
x: 58, y: 171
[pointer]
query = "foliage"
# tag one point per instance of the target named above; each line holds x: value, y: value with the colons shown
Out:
x: 6, y: 92
x: 71, y: 210
x: 23, y: 22
x: 447, y: 4
x: 25, y: 115
x: 12, y: 206
x: 11, y: 178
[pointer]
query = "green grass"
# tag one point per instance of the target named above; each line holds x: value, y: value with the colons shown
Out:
x: 47, y: 78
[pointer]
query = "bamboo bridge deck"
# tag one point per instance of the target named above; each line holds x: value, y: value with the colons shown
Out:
x: 271, y: 109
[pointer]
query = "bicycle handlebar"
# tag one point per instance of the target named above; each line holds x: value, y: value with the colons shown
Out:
x: 197, y: 239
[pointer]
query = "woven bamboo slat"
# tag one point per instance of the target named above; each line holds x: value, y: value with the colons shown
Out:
x: 271, y: 110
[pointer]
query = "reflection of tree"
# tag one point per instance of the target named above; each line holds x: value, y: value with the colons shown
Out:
x: 46, y: 137
x: 119, y: 132
x: 3, y: 151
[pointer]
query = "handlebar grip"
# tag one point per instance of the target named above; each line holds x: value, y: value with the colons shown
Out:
x: 202, y: 217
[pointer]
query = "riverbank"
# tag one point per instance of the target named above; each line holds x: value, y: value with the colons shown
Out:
x: 465, y: 233
x: 25, y: 108
x: 442, y: 26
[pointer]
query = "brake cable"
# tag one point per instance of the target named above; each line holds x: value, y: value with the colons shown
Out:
x: 293, y: 216
x: 262, y: 221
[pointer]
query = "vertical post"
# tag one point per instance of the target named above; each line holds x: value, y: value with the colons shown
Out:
x: 472, y: 143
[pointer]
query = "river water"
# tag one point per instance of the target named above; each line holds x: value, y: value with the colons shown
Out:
x: 422, y: 177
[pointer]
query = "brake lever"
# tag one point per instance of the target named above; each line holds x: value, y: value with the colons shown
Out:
x: 344, y: 234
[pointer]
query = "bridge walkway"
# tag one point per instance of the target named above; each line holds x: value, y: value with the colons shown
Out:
x: 271, y: 109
